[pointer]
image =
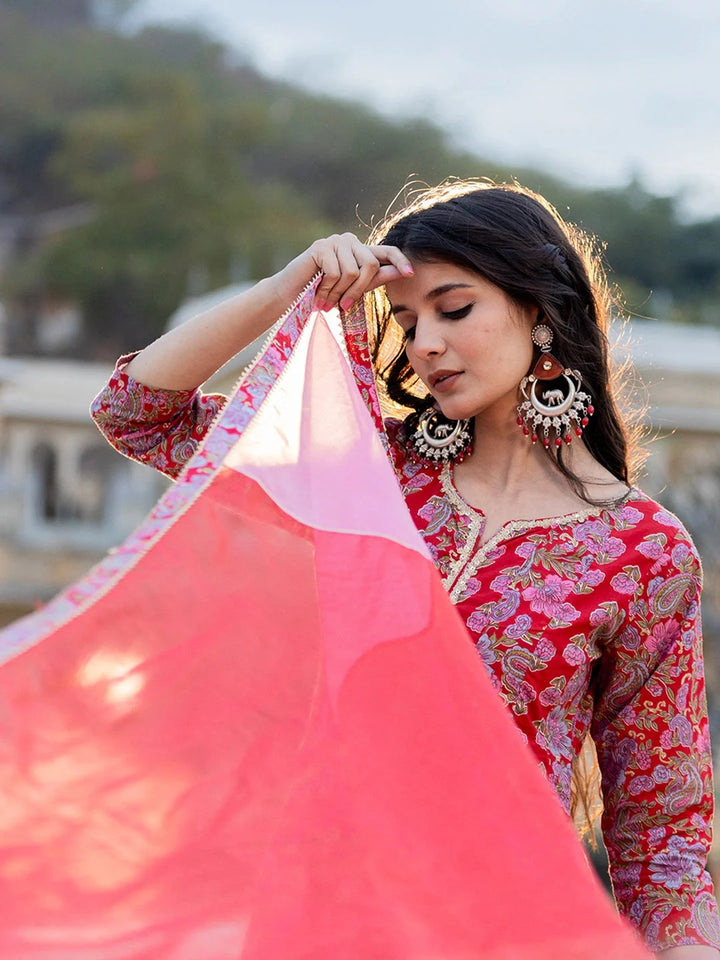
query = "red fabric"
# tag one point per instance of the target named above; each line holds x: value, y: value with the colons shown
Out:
x: 585, y: 623
x: 246, y: 736
x: 180, y: 780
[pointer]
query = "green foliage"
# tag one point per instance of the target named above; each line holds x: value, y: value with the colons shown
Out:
x: 197, y: 170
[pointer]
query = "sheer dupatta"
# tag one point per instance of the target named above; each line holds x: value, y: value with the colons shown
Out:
x: 257, y: 731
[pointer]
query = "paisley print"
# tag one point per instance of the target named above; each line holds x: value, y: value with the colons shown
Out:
x: 587, y: 624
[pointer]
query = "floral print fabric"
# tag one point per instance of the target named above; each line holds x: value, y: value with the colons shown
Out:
x: 586, y: 623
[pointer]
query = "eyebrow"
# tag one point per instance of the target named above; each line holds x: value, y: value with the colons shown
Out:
x: 433, y: 294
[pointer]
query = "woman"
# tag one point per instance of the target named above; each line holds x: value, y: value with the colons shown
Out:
x: 580, y: 593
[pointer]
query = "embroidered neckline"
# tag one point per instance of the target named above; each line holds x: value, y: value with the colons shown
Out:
x: 468, y: 562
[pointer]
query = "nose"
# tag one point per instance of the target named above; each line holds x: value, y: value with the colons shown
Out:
x: 428, y: 340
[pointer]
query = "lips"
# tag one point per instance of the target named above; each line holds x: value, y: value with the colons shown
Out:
x: 441, y: 376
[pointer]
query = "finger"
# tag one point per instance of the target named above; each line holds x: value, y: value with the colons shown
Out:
x: 350, y: 269
x: 386, y: 274
x: 368, y: 270
x: 393, y: 255
x: 327, y: 262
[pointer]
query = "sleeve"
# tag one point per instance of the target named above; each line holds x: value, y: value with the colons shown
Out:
x: 160, y: 428
x: 650, y: 727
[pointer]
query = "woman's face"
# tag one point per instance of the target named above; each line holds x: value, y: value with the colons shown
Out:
x: 465, y: 338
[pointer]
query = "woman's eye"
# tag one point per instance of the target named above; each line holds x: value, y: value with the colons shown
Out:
x: 458, y: 314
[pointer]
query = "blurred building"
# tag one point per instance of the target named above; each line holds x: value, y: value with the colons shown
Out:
x: 66, y: 497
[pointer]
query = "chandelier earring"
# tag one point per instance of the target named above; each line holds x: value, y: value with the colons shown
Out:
x: 438, y: 439
x: 553, y: 405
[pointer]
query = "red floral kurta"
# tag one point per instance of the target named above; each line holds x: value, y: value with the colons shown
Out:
x: 586, y: 623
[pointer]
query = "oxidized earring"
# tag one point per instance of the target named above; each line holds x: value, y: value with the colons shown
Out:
x: 436, y: 438
x: 558, y: 410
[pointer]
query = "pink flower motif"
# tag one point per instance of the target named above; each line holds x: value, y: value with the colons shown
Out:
x: 662, y: 637
x: 548, y: 598
x: 501, y: 583
x: 622, y: 583
x: 545, y: 649
x: 574, y: 655
x: 550, y: 696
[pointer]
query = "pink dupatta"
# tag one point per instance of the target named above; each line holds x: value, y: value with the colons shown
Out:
x: 257, y: 730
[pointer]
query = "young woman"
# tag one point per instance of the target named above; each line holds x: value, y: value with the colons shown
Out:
x: 488, y: 316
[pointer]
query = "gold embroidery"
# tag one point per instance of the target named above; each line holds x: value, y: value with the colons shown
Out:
x: 475, y: 526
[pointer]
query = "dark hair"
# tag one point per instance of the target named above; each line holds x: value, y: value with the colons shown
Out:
x: 515, y: 239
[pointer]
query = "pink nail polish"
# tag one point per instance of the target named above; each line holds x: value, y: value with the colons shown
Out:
x: 346, y: 303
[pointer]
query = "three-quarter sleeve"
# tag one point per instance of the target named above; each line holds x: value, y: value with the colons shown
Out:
x: 160, y: 428
x: 651, y: 730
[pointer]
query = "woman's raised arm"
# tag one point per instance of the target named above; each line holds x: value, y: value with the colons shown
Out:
x: 185, y: 357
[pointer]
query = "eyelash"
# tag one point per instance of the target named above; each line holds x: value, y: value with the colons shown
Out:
x: 450, y: 315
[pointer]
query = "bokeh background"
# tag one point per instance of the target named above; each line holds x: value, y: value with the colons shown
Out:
x: 157, y: 155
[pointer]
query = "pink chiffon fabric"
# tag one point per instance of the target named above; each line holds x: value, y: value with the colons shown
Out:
x: 257, y: 730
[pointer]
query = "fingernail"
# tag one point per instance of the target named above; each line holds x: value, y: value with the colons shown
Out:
x: 346, y: 303
x: 321, y: 305
x: 407, y: 269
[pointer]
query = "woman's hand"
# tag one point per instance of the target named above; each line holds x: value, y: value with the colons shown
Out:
x: 187, y: 355
x: 349, y: 269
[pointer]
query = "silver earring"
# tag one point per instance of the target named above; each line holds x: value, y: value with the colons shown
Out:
x: 561, y: 409
x: 436, y: 438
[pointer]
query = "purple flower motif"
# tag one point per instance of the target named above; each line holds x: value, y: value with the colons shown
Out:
x: 661, y: 774
x: 519, y: 627
x: 680, y: 553
x: 640, y: 785
x: 437, y: 512
x: 484, y: 648
x: 643, y: 760
x: 592, y: 578
x: 553, y: 734
x: 501, y: 583
x: 596, y: 536
x: 477, y: 621
x: 666, y: 740
x: 679, y: 861
x: 667, y: 519
x: 622, y: 583
x: 650, y: 549
x: 630, y: 514
x: 656, y: 835
x: 574, y: 655
x: 526, y: 549
x: 628, y: 873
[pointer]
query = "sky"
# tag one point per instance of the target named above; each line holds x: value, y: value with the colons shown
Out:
x: 596, y: 91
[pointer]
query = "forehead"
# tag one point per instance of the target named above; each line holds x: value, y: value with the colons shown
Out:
x: 430, y: 280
